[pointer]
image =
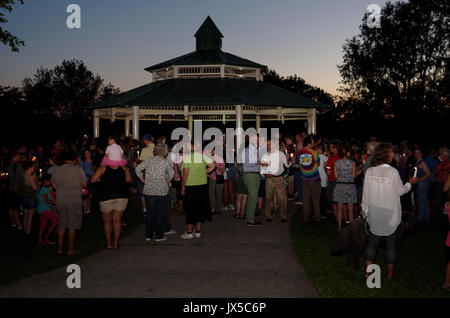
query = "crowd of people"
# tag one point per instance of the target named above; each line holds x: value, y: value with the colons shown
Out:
x: 342, y: 179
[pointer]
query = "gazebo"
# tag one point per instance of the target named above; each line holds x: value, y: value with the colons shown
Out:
x: 207, y: 85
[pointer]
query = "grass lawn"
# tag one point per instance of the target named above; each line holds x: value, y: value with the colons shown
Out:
x: 420, y: 266
x: 21, y: 257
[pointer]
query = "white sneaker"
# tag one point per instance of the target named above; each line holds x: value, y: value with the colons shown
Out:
x: 298, y: 202
x: 164, y: 238
x: 147, y: 239
x: 172, y: 231
x: 197, y: 235
x: 232, y: 207
x: 187, y: 236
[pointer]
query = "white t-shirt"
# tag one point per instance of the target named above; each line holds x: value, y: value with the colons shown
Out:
x: 276, y: 162
x: 114, y: 152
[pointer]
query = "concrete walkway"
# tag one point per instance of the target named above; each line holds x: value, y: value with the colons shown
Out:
x: 230, y: 260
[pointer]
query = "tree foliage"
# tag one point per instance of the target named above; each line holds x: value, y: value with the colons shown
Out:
x: 299, y: 86
x: 401, y: 70
x: 5, y: 36
x: 64, y: 90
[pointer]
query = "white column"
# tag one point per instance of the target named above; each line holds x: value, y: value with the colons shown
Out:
x: 136, y: 122
x: 127, y: 126
x: 258, y: 123
x: 239, y: 126
x: 222, y: 71
x: 96, y: 120
x: 191, y: 125
x: 313, y: 121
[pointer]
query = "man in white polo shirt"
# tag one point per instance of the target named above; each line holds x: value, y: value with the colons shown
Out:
x: 273, y: 164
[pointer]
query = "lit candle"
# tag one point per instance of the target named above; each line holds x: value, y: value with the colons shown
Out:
x: 292, y: 155
x: 415, y: 172
x: 40, y: 172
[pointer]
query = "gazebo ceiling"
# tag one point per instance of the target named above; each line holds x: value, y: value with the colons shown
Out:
x: 209, y: 92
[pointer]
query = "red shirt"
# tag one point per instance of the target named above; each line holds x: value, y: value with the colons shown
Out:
x: 443, y: 170
x: 330, y: 167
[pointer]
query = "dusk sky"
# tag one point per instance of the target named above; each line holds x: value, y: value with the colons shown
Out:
x: 118, y: 38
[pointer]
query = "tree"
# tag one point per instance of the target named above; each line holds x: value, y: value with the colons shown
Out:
x: 401, y: 70
x: 108, y: 91
x: 5, y: 36
x: 299, y: 86
x: 64, y: 90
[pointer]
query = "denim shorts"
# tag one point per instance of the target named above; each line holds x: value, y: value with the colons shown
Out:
x: 28, y: 203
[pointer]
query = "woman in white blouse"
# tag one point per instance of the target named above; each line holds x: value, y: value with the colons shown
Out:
x: 381, y: 204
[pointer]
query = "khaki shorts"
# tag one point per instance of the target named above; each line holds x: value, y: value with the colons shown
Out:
x: 114, y: 205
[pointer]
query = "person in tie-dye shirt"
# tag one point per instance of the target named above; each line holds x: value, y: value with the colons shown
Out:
x: 308, y: 160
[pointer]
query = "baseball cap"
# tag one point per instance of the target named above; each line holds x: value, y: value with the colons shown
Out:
x: 147, y: 137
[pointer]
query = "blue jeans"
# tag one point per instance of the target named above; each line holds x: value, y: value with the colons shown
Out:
x: 423, y: 189
x: 156, y: 215
x: 298, y: 184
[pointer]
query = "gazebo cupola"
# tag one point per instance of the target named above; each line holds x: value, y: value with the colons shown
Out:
x: 208, y: 60
x: 208, y: 36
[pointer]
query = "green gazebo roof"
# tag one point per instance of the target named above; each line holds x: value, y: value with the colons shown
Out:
x: 208, y: 92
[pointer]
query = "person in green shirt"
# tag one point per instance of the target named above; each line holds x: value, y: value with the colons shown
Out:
x: 194, y: 188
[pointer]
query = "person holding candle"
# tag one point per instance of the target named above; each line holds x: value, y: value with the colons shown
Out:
x: 333, y: 156
x: 323, y: 181
x: 28, y: 187
x: 308, y: 160
x: 146, y: 153
x: 45, y: 204
x: 381, y: 204
x: 290, y: 153
x: 273, y: 164
x: 446, y: 188
x: 423, y: 186
x: 15, y: 173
